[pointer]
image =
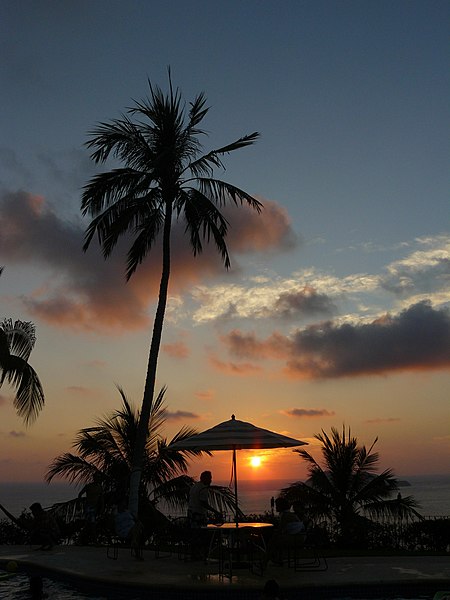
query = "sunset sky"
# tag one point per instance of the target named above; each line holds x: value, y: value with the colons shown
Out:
x: 337, y: 307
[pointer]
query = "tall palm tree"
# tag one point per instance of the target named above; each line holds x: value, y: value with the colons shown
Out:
x: 107, y: 449
x: 346, y: 486
x: 165, y: 175
x: 17, y: 340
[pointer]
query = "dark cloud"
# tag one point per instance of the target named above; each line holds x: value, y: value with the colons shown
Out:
x: 308, y: 412
x: 88, y: 293
x: 416, y: 339
x: 246, y: 345
x: 180, y: 414
x: 306, y: 302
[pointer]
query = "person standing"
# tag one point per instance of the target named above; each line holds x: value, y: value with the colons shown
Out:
x: 199, y: 502
x: 94, y: 501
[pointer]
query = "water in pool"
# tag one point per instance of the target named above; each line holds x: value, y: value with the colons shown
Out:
x: 17, y: 587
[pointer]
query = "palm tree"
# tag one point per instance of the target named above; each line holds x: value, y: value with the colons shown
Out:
x: 165, y: 175
x: 346, y: 487
x: 17, y: 340
x: 107, y: 449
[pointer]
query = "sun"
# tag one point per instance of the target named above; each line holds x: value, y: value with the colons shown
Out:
x: 255, y: 461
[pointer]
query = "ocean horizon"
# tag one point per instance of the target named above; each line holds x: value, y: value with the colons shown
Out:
x: 432, y: 492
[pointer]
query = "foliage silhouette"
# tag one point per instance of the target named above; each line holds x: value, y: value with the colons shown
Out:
x: 165, y: 175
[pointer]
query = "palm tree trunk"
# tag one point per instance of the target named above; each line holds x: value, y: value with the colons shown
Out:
x: 150, y: 380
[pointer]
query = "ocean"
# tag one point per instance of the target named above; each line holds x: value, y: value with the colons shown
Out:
x: 431, y: 491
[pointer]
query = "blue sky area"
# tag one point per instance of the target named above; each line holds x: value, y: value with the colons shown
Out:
x: 336, y: 308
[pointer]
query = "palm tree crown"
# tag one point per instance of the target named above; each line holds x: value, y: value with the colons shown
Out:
x: 107, y: 449
x: 17, y: 340
x: 165, y: 175
x: 347, y: 486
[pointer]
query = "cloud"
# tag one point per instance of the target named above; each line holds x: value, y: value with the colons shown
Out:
x: 305, y: 301
x: 231, y: 368
x: 308, y: 412
x: 95, y: 364
x: 424, y: 271
x: 85, y: 292
x: 267, y: 231
x: 176, y: 350
x: 205, y: 395
x: 418, y: 338
x: 180, y: 414
x: 381, y: 420
x: 78, y: 389
x: 263, y: 298
x: 16, y: 434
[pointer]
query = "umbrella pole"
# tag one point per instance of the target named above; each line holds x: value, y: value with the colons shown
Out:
x: 235, y: 487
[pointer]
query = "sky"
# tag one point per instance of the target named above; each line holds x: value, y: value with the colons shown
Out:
x: 336, y: 309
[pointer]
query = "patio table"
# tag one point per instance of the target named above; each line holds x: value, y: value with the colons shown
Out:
x: 228, y: 541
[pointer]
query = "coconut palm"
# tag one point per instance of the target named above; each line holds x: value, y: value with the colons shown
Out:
x: 17, y: 340
x: 346, y: 487
x: 165, y: 175
x: 107, y: 449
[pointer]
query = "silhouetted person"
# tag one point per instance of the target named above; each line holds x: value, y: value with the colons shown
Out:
x: 129, y: 528
x: 44, y: 528
x: 94, y: 498
x: 289, y: 526
x: 198, y: 502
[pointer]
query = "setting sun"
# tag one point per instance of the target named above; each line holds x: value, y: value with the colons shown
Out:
x: 255, y: 461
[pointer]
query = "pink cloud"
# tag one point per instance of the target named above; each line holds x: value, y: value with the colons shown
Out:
x: 231, y: 368
x: 176, y: 350
x: 206, y: 395
x: 86, y: 292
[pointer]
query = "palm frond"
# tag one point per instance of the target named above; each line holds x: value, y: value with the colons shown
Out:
x: 29, y: 399
x: 20, y: 337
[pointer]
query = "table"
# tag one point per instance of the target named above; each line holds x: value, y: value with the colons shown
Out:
x: 230, y: 542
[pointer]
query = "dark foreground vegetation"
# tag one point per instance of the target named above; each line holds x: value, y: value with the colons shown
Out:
x: 424, y: 536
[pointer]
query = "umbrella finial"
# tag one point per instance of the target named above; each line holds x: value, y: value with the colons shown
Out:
x: 233, y: 417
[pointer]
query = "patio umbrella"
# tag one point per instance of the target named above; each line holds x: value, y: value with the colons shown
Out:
x: 236, y: 435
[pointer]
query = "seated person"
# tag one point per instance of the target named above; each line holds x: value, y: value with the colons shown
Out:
x: 44, y: 528
x: 289, y: 525
x: 290, y: 522
x: 129, y: 528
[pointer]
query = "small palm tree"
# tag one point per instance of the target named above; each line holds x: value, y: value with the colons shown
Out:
x: 165, y: 176
x: 347, y: 487
x: 17, y: 340
x: 107, y: 449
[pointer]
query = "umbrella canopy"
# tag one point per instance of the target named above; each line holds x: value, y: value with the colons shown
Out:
x: 236, y: 435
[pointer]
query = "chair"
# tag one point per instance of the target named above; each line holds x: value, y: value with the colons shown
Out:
x: 175, y: 537
x: 304, y: 553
